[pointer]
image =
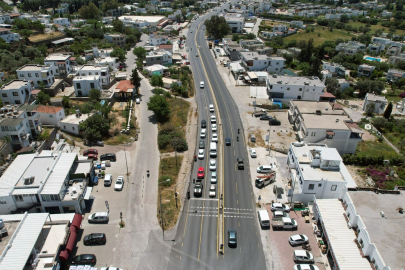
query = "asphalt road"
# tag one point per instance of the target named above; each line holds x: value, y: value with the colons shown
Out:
x: 196, y: 243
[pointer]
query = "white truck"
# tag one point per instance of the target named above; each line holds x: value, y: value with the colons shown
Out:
x: 284, y: 223
x: 264, y: 218
x: 213, y: 149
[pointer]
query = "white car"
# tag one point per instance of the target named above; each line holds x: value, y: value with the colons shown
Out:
x: 303, y: 256
x: 119, y: 184
x: 213, y: 119
x: 253, y: 153
x: 211, y: 108
x: 201, y: 84
x: 298, y: 239
x: 213, y: 177
x: 213, y: 193
x: 213, y: 165
x: 203, y: 133
x: 98, y: 217
x: 215, y: 137
x: 201, y: 154
x: 214, y: 127
x: 305, y: 267
x: 280, y: 207
x: 138, y: 101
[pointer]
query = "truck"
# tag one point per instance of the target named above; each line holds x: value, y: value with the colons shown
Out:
x: 283, y: 223
x: 264, y: 180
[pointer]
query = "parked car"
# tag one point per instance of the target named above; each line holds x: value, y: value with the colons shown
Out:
x: 305, y: 267
x: 280, y: 207
x: 274, y: 122
x: 200, y: 154
x: 110, y: 268
x: 253, y: 152
x: 88, y: 259
x: 108, y: 179
x: 92, y: 156
x: 232, y: 238
x: 90, y: 151
x: 298, y: 239
x: 200, y: 173
x: 227, y: 141
x: 303, y: 256
x: 265, y: 117
x: 201, y: 145
x: 137, y: 100
x: 94, y: 239
x: 108, y: 156
x: 119, y: 183
x: 98, y: 217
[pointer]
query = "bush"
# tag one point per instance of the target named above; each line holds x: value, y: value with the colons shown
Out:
x: 360, y: 160
x: 163, y: 141
x: 163, y: 181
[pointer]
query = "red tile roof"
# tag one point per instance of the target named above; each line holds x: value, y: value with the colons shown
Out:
x: 165, y: 46
x: 329, y: 95
x: 35, y: 91
x: 124, y: 85
x: 48, y: 109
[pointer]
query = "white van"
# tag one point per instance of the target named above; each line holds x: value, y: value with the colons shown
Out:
x: 107, y: 180
x: 213, y: 149
x: 264, y: 169
x: 203, y: 133
x: 211, y: 108
x: 264, y: 218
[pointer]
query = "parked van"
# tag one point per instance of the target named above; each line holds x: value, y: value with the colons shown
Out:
x: 213, y: 149
x: 264, y: 218
x: 203, y: 133
x: 264, y: 169
x: 107, y: 180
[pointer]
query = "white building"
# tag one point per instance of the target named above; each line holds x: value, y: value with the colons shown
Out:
x: 376, y: 47
x: 62, y: 21
x: 380, y: 102
x: 83, y: 84
x: 117, y: 39
x: 316, y: 170
x: 156, y: 40
x: 16, y: 92
x: 160, y: 57
x: 297, y: 24
x: 386, y: 13
x: 50, y: 115
x: 9, y: 36
x: 395, y: 75
x: 153, y: 21
x: 286, y: 87
x: 62, y: 62
x: 280, y: 28
x: 236, y: 23
x: 89, y: 70
x: 37, y: 74
x: 351, y: 47
x: 381, y: 40
x: 71, y: 123
x: 365, y: 70
x: 252, y: 61
x: 107, y: 61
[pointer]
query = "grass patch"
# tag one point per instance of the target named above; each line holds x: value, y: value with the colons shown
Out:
x: 375, y: 148
x: 259, y: 140
x: 324, y: 32
x: 41, y: 37
x: 376, y: 27
x: 395, y: 138
x: 167, y: 190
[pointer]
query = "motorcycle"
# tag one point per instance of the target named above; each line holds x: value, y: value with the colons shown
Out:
x: 147, y: 173
x: 307, y: 247
x: 195, y: 158
x: 237, y: 138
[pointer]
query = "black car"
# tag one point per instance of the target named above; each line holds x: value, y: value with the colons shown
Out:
x: 274, y: 122
x: 108, y: 156
x: 95, y: 239
x: 203, y: 124
x: 201, y: 145
x: 265, y: 117
x: 88, y: 259
x: 227, y: 141
x: 232, y: 238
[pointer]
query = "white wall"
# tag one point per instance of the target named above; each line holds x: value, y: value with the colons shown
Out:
x: 85, y: 85
x: 7, y: 206
x: 52, y: 119
x: 294, y: 92
x: 69, y: 127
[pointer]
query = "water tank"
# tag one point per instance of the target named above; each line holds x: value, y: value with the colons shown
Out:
x: 1, y: 224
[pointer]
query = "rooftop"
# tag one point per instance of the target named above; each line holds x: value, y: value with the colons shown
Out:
x: 48, y: 109
x: 73, y: 119
x: 150, y: 19
x: 33, y: 68
x: 87, y: 78
x: 372, y: 97
x: 385, y: 233
x: 255, y: 56
x: 311, y: 107
x: 92, y: 68
x: 57, y: 57
x: 317, y: 174
x: 124, y: 86
x: 314, y: 121
x: 296, y: 80
x: 15, y: 84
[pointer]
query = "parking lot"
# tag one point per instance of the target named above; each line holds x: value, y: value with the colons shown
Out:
x: 115, y: 199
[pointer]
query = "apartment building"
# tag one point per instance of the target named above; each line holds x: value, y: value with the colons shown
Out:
x: 376, y: 48
x: 37, y: 74
x: 62, y: 62
x: 297, y: 24
x: 50, y: 115
x: 365, y: 70
x: 351, y: 47
x: 280, y: 28
x: 62, y: 21
x: 236, y: 23
x: 16, y: 92
x: 156, y: 40
x: 395, y: 75
x: 381, y: 40
x: 83, y: 84
x: 252, y: 61
x: 89, y: 70
x: 158, y: 57
x: 339, y: 70
x: 117, y: 39
x: 9, y: 36
x: 380, y: 103
x: 394, y: 50
x: 315, y: 170
x: 287, y: 87
x: 396, y: 59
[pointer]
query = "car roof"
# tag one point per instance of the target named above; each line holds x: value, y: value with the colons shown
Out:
x: 240, y: 158
x: 97, y: 234
x: 84, y: 256
x: 277, y: 205
x: 296, y: 237
x: 300, y: 253
x: 101, y: 214
x: 201, y: 168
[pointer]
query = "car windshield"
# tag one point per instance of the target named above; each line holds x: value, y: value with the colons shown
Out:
x: 93, y: 216
x: 78, y: 258
x: 308, y: 256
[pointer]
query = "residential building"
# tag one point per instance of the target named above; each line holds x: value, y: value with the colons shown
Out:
x: 343, y: 83
x: 381, y: 40
x: 252, y: 61
x: 16, y: 92
x: 280, y: 28
x: 9, y: 36
x: 267, y: 34
x: 394, y: 50
x: 288, y: 87
x: 235, y: 23
x: 376, y: 48
x: 20, y: 124
x: 83, y: 84
x: 107, y: 61
x: 281, y: 52
x: 117, y: 39
x: 232, y: 49
x: 89, y: 70
x: 37, y: 74
x: 71, y: 123
x: 351, y: 47
x: 386, y: 13
x: 339, y: 70
x: 297, y: 24
x: 62, y: 21
x: 62, y: 62
x: 380, y: 102
x: 158, y: 57
x: 165, y: 9
x: 315, y: 170
x: 396, y: 59
x: 365, y: 70
x: 155, y: 69
x: 324, y: 123
x: 50, y: 115
x: 124, y: 89
x: 395, y: 75
x: 46, y: 182
x: 115, y: 12
x: 295, y: 51
x: 156, y: 40
x: 166, y: 47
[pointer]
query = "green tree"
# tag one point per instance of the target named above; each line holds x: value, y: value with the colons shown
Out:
x: 94, y: 94
x: 159, y: 105
x: 118, y: 26
x: 379, y: 122
x: 136, y: 80
x: 43, y: 98
x: 217, y: 27
x: 120, y: 53
x: 332, y: 86
x: 131, y: 39
x: 140, y: 52
x: 370, y: 109
x: 66, y: 102
x: 90, y: 11
x: 95, y: 128
x: 109, y: 4
x: 156, y: 80
x: 388, y: 111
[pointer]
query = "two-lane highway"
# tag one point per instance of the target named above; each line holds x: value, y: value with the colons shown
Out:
x: 196, y: 244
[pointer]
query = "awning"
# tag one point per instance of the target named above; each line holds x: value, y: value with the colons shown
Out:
x: 64, y: 255
x: 330, y: 133
x: 88, y: 192
x: 73, y: 229
x: 71, y: 242
x: 77, y: 221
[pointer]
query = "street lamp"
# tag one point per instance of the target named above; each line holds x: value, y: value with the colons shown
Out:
x: 161, y: 211
x: 269, y: 138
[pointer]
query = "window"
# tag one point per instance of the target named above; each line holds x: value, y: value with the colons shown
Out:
x: 78, y: 86
x: 50, y: 116
x: 37, y: 75
x: 300, y: 89
x: 96, y: 73
x: 18, y: 198
x: 29, y: 74
x: 21, y: 75
x: 311, y: 186
x: 3, y: 201
x: 90, y: 73
x: 319, y: 185
x: 73, y: 128
x: 15, y: 94
x: 4, y: 95
x: 22, y: 92
x: 333, y: 187
x: 288, y: 88
x: 91, y: 85
x: 64, y: 127
x: 17, y: 102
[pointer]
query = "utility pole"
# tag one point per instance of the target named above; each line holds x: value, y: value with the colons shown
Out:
x: 161, y: 215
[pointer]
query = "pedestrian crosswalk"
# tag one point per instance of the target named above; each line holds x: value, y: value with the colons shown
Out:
x: 199, y: 211
x: 226, y: 216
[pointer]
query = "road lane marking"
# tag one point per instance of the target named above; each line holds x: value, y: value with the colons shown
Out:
x: 236, y: 187
x: 203, y: 199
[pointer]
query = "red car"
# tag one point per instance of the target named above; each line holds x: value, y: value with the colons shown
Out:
x: 90, y: 151
x: 92, y: 156
x: 200, y: 173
